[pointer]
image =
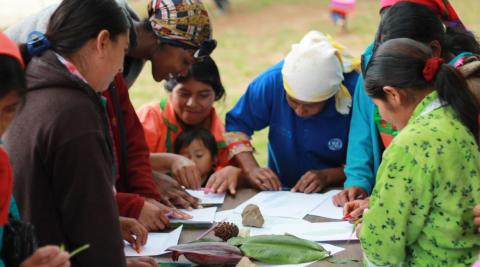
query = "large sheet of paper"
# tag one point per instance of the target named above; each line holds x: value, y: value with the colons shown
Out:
x: 327, y: 209
x: 268, y: 226
x: 319, y: 232
x: 199, y: 216
x: 208, y: 198
x: 157, y: 243
x: 284, y: 203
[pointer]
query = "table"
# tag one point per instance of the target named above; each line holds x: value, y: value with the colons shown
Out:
x: 352, y: 248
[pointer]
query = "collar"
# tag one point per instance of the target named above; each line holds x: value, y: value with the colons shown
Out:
x: 430, y: 103
x: 170, y: 118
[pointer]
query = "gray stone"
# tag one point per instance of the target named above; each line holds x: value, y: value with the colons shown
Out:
x: 251, y: 216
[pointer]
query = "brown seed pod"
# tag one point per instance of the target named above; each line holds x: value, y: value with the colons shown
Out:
x: 226, y: 230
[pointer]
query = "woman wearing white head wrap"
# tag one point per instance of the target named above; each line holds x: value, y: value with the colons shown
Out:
x: 305, y: 100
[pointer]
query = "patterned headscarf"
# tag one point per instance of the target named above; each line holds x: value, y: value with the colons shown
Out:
x: 180, y: 22
x: 442, y: 8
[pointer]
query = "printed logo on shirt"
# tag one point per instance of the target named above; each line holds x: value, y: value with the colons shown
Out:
x: 335, y: 144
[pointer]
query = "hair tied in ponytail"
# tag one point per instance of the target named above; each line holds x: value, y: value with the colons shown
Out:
x: 37, y: 43
x: 431, y: 68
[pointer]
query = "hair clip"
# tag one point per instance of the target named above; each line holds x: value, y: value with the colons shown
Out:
x: 37, y: 43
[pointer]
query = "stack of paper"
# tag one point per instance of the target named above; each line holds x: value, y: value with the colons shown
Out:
x: 200, y: 217
x: 284, y: 204
x: 157, y: 243
x: 208, y: 199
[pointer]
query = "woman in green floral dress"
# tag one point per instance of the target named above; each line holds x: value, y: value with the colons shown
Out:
x: 420, y: 211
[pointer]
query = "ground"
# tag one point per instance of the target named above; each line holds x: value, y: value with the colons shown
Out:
x: 258, y: 33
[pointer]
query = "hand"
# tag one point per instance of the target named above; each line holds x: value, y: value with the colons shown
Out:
x: 353, y: 210
x: 312, y: 182
x: 48, y: 256
x: 153, y: 217
x: 133, y: 232
x: 264, y: 179
x: 186, y: 172
x: 476, y: 216
x: 224, y: 179
x: 173, y: 194
x: 141, y: 262
x: 349, y: 194
x: 170, y: 212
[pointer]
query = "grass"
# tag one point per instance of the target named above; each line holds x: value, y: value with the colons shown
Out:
x: 258, y: 33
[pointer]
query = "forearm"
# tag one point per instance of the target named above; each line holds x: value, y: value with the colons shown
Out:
x: 162, y: 162
x: 246, y: 161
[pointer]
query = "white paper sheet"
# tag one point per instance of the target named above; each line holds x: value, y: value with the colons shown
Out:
x: 157, y: 243
x: 333, y: 250
x: 319, y: 232
x: 327, y: 209
x: 283, y: 203
x: 200, y: 216
x: 268, y: 226
x: 208, y: 198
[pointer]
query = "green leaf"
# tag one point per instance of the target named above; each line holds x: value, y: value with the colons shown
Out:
x: 280, y: 249
x: 343, y: 261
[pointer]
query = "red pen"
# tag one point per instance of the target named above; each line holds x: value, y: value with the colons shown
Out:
x: 347, y: 216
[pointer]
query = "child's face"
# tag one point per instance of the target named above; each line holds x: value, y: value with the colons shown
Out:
x: 197, y: 152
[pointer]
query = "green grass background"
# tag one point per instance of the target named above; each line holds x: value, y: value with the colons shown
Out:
x: 257, y: 33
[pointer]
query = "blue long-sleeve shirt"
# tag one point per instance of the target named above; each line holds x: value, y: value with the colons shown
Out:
x: 296, y: 145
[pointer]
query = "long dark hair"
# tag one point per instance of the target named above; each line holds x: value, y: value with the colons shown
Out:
x: 419, y: 22
x: 75, y: 22
x: 400, y: 62
x: 205, y: 71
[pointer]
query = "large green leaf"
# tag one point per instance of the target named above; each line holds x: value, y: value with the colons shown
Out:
x: 280, y: 249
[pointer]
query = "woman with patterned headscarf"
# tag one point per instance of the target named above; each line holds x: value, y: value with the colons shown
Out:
x: 305, y: 99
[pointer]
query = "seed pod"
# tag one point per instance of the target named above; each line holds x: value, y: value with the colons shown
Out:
x: 226, y: 230
x: 208, y: 253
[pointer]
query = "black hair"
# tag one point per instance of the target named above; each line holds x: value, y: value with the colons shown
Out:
x: 400, y: 62
x: 419, y: 22
x: 196, y: 133
x: 12, y: 76
x: 75, y: 22
x: 204, y: 71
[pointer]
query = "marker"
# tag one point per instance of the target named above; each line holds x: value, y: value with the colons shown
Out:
x: 347, y: 216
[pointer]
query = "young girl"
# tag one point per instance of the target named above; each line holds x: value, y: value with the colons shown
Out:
x: 339, y: 10
x: 199, y: 146
x: 428, y: 182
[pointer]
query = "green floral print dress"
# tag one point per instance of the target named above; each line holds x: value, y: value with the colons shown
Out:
x: 420, y: 211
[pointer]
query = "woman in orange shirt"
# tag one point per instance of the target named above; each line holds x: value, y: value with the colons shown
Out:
x: 190, y: 104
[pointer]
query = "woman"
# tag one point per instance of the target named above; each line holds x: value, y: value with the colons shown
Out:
x: 305, y: 100
x: 420, y: 211
x: 12, y: 90
x: 63, y: 164
x: 190, y: 104
x: 399, y: 20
